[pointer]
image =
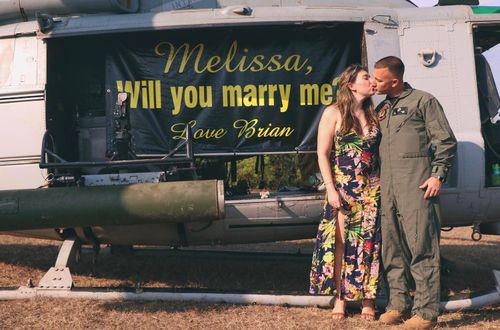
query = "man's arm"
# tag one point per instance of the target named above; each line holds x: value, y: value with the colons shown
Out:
x: 441, y: 137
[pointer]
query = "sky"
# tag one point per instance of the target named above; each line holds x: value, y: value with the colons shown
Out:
x: 493, y: 54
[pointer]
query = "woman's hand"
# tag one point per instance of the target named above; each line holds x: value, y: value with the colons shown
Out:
x: 334, y: 199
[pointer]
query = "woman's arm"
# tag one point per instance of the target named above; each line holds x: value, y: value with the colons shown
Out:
x: 326, y: 134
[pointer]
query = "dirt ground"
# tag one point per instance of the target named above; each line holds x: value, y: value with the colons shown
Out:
x: 469, y: 267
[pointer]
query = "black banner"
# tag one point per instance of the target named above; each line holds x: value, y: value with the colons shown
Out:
x: 239, y: 89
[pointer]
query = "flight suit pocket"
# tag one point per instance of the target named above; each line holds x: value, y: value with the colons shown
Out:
x: 403, y: 119
x: 413, y: 154
x: 417, y: 163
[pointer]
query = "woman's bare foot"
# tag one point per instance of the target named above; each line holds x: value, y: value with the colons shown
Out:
x: 368, y: 310
x: 338, y: 312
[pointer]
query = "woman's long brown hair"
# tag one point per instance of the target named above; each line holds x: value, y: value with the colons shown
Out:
x: 345, y: 102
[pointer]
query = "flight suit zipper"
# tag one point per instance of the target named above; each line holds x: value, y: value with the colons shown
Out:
x: 392, y: 106
x: 389, y: 114
x: 404, y: 122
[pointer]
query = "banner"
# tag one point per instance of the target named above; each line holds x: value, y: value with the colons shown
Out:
x: 258, y: 89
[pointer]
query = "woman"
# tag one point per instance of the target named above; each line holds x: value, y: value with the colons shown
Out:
x: 346, y: 258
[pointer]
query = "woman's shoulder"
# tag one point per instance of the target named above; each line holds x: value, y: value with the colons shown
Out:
x: 332, y: 111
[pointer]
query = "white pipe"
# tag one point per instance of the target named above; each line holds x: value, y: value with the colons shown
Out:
x: 15, y: 8
x: 490, y: 298
x: 229, y: 298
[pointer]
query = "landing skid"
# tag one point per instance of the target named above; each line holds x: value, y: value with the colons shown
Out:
x: 58, y: 283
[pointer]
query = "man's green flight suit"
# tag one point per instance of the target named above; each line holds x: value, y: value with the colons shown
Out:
x: 417, y: 143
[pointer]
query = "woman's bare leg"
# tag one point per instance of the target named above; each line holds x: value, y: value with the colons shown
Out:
x: 339, y: 306
x: 368, y: 309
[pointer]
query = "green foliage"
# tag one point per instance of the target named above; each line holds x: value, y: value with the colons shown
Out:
x: 279, y: 171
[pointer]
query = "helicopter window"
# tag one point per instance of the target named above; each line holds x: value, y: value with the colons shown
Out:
x: 262, y: 176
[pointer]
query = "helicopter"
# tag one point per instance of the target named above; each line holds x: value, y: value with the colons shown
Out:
x: 123, y: 121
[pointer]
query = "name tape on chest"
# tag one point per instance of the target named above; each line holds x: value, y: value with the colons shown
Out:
x: 400, y: 111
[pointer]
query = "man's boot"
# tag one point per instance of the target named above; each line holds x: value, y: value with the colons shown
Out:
x: 417, y: 322
x: 392, y: 317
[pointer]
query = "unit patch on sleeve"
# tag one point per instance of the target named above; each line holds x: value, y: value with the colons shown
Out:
x: 382, y: 112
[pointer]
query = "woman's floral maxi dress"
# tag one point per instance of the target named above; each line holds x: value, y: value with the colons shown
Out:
x: 356, y: 170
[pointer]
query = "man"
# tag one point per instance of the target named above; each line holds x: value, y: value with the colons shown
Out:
x: 416, y: 151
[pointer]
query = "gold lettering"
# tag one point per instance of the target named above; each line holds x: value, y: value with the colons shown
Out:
x: 248, y: 129
x: 190, y: 97
x: 231, y: 63
x: 245, y: 127
x: 158, y: 93
x: 220, y: 133
x: 262, y: 95
x: 259, y: 66
x: 286, y: 131
x: 180, y: 129
x: 309, y: 94
x: 230, y: 95
x: 230, y: 55
x: 263, y: 131
x: 208, y: 133
x: 205, y: 94
x: 212, y: 62
x: 326, y: 94
x: 274, y: 60
x: 271, y: 90
x: 134, y: 92
x: 292, y: 63
x: 144, y: 94
x: 285, y: 96
x: 241, y: 63
x: 176, y: 99
x: 274, y: 131
x: 151, y: 95
x: 250, y: 98
x: 172, y: 53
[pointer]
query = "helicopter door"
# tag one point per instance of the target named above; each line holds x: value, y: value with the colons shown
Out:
x: 22, y: 110
x: 439, y: 59
x: 75, y: 99
x: 487, y: 46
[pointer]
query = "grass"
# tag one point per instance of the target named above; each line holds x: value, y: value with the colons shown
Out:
x: 21, y: 259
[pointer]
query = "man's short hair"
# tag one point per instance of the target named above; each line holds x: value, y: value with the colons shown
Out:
x: 393, y: 64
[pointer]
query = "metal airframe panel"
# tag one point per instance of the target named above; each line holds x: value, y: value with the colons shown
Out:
x: 208, y: 18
